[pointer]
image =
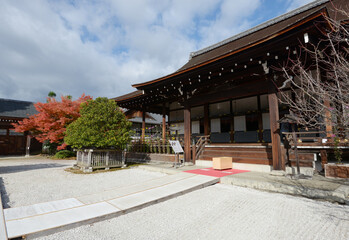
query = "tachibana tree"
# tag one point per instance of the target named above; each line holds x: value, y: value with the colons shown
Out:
x: 52, y: 119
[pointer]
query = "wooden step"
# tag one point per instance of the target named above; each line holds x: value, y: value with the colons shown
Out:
x: 301, y: 156
x: 301, y: 163
x: 251, y: 154
x: 238, y: 149
x: 243, y: 160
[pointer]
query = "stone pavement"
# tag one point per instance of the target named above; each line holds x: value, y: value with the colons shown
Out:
x: 317, y: 187
x: 44, y: 218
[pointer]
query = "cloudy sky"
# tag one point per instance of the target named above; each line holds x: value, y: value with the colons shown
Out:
x: 101, y: 47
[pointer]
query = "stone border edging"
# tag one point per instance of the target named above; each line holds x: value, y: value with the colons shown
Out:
x: 3, y: 231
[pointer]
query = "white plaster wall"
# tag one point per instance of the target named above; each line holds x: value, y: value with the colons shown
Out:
x: 195, y: 126
x: 266, y: 120
x: 240, y: 123
x: 216, y: 125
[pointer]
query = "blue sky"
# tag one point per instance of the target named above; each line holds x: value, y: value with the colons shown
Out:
x: 100, y: 48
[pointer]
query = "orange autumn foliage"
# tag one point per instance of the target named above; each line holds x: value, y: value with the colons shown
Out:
x: 53, y: 118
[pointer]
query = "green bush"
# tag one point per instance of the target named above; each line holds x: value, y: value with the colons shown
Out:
x: 65, y: 154
x: 101, y: 125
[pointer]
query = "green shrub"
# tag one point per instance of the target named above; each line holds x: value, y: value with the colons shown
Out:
x: 65, y: 154
x: 101, y: 125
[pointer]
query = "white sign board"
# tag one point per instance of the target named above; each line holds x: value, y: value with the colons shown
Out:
x: 176, y: 146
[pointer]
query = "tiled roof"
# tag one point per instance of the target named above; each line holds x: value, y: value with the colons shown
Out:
x: 16, y: 108
x: 129, y: 95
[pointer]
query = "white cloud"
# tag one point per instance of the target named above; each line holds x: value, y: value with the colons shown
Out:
x: 102, y: 47
x: 293, y: 4
x: 229, y: 21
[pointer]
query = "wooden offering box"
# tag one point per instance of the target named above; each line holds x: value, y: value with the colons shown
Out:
x: 221, y: 163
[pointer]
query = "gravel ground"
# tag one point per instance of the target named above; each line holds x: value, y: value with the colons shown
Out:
x: 223, y: 212
x: 28, y: 181
x: 215, y: 212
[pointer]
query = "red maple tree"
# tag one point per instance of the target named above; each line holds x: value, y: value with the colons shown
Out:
x: 53, y: 118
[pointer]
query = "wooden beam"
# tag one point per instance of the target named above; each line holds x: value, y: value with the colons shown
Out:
x: 274, y: 131
x: 246, y: 89
x: 187, y: 134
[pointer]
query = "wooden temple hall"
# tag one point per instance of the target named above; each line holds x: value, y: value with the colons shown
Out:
x: 229, y: 91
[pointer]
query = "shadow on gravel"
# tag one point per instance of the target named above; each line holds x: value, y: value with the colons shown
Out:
x: 333, y: 213
x: 22, y: 168
x: 4, y: 197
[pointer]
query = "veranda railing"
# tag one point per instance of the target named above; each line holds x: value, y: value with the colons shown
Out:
x: 160, y: 147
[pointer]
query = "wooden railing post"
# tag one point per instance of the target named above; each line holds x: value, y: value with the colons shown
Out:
x: 323, y: 155
x: 89, y: 158
x: 194, y: 152
x: 107, y: 160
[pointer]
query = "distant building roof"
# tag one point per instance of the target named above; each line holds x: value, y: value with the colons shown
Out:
x: 157, y: 119
x: 16, y: 108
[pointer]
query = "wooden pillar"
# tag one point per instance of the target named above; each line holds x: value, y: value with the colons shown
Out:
x: 260, y: 120
x: 8, y: 145
x: 164, y: 123
x: 168, y: 123
x: 274, y: 131
x: 232, y: 130
x: 143, y: 126
x: 206, y: 120
x: 323, y: 155
x: 231, y: 122
x: 187, y: 134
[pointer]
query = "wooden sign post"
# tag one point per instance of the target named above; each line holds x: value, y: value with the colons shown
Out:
x: 177, y: 148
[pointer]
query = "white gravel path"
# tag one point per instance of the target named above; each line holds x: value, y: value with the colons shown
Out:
x: 215, y: 212
x: 30, y: 181
x: 223, y: 212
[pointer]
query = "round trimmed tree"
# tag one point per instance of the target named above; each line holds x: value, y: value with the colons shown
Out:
x: 101, y: 125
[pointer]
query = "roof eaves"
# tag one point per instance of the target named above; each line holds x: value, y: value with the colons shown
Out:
x: 129, y: 96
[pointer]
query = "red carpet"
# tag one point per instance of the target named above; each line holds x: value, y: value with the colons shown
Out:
x: 216, y: 173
